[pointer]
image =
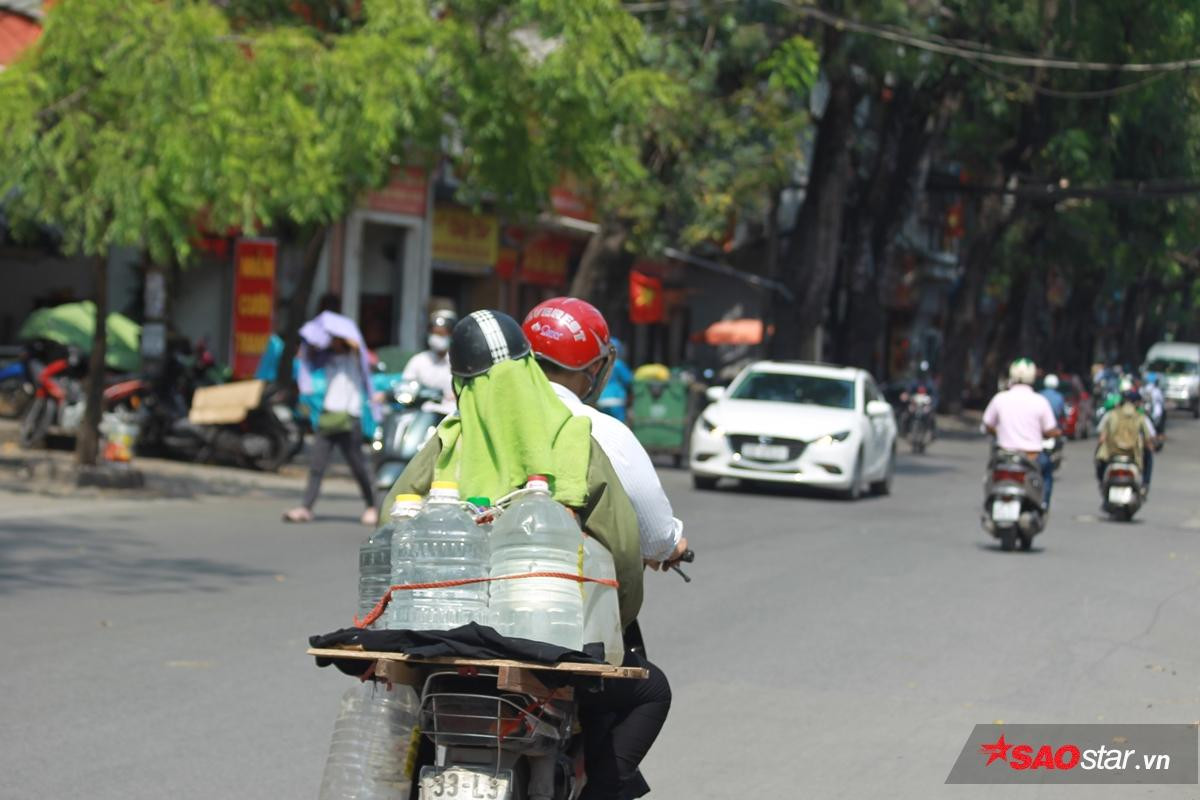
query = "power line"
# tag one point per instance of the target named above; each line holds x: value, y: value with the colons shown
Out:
x: 1164, y: 189
x: 1069, y: 94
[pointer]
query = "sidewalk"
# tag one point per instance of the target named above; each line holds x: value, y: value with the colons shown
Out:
x: 52, y: 472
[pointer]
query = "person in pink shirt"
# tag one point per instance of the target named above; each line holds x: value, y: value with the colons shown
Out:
x: 1021, y: 419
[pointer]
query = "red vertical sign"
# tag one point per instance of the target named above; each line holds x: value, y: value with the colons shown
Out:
x: 645, y: 298
x: 253, y: 302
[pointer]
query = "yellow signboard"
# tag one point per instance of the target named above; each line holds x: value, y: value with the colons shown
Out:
x: 463, y: 237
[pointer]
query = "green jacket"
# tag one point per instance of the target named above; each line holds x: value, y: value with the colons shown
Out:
x: 607, y: 516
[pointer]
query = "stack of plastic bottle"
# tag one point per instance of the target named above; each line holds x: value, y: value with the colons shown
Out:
x: 537, y: 534
x: 370, y: 752
x: 601, y: 611
x: 375, y: 555
x: 441, y: 543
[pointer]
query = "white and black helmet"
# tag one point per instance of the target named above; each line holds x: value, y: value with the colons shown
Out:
x: 483, y: 339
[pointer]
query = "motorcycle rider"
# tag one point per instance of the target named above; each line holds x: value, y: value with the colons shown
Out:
x: 512, y: 424
x: 1021, y: 419
x: 1126, y: 431
x: 431, y: 367
x: 1155, y: 403
x: 1050, y: 391
x: 577, y: 367
x: 922, y: 383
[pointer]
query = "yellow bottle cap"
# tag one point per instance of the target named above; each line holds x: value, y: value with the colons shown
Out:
x: 408, y: 498
x: 444, y: 485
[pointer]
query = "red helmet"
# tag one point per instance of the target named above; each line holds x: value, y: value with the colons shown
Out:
x: 571, y: 334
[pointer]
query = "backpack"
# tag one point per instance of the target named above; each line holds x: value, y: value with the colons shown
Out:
x: 1125, y: 431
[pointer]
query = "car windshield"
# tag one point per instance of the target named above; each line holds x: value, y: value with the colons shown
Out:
x: 1172, y: 367
x: 783, y: 387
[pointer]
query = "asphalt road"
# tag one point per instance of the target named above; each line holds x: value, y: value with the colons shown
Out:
x: 825, y: 649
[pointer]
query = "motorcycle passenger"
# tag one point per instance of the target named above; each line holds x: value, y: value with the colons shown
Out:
x: 1050, y: 391
x: 1126, y: 431
x: 512, y: 424
x: 431, y: 367
x: 1021, y: 419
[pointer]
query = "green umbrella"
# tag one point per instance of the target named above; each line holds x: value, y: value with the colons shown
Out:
x: 74, y: 325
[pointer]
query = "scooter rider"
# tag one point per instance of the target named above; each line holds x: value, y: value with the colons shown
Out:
x: 1155, y: 403
x: 1058, y: 403
x: 1126, y: 431
x: 510, y: 425
x: 431, y: 367
x: 1021, y: 419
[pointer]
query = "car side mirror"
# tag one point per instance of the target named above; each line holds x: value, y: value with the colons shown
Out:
x: 714, y: 393
x: 878, y: 408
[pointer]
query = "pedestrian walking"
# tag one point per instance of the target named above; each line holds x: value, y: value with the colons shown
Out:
x: 334, y: 343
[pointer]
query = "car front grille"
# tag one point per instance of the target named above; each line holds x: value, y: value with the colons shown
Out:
x: 795, y: 447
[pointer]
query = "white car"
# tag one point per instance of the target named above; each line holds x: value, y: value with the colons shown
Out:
x: 797, y: 423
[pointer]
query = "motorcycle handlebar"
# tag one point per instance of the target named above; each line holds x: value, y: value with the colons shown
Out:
x: 688, y: 556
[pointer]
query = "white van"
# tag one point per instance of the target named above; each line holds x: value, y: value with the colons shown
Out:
x: 1178, y: 364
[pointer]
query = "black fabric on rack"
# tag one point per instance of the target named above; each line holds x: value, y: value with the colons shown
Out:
x: 469, y: 641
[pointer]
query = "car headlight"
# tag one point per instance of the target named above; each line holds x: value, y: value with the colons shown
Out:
x: 708, y: 426
x: 831, y: 438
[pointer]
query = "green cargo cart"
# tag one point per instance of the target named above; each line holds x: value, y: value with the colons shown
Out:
x: 660, y: 416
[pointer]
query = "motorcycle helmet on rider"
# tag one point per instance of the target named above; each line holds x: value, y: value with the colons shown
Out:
x: 482, y: 340
x: 1023, y: 370
x: 1050, y: 381
x: 572, y: 335
x: 441, y: 324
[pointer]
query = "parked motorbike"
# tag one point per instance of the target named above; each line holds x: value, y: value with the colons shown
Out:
x: 919, y: 420
x: 1012, y: 506
x: 16, y: 389
x: 257, y: 430
x: 412, y: 418
x: 1122, y: 488
x: 60, y: 398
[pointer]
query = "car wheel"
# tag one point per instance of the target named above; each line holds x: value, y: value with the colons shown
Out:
x: 855, y: 490
x: 703, y: 483
x: 883, y: 487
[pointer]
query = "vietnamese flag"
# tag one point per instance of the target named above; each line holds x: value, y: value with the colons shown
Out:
x: 645, y: 298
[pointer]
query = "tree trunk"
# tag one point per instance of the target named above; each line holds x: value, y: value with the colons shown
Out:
x: 962, y: 326
x: 87, y: 443
x: 298, y: 304
x: 604, y: 250
x: 817, y: 238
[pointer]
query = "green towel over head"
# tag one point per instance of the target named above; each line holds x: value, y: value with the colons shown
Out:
x: 511, y: 425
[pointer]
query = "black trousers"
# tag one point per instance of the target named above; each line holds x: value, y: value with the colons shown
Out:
x: 620, y: 723
x: 350, y: 443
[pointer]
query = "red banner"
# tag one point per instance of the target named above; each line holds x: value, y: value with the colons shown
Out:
x: 544, y: 262
x: 253, y: 303
x: 645, y: 298
x: 405, y: 193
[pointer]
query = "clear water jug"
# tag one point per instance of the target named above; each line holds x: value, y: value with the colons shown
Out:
x: 442, y: 543
x: 601, y: 612
x: 375, y: 556
x: 369, y: 755
x: 537, y: 534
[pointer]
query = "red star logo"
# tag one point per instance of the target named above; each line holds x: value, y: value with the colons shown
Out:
x: 996, y: 751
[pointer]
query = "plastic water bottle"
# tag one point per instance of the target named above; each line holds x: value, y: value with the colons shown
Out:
x: 537, y: 534
x: 372, y: 752
x: 442, y: 543
x: 601, y: 612
x: 375, y: 555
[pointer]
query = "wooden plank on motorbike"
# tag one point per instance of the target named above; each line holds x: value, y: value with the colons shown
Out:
x: 226, y: 404
x: 590, y: 670
x: 399, y: 672
x: 519, y: 679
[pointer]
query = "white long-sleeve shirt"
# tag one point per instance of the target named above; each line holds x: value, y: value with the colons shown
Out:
x: 659, y: 530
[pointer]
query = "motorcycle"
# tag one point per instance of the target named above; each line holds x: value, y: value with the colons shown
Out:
x: 501, y: 741
x: 1122, y: 488
x: 412, y: 418
x: 919, y: 420
x: 251, y: 426
x: 60, y: 399
x: 1013, y: 493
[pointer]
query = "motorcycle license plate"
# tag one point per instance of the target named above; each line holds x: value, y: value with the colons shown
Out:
x: 458, y: 783
x: 1120, y: 495
x: 765, y: 452
x: 1006, y: 510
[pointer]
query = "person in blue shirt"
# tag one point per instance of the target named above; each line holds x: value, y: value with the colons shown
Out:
x: 614, y: 398
x: 1050, y: 391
